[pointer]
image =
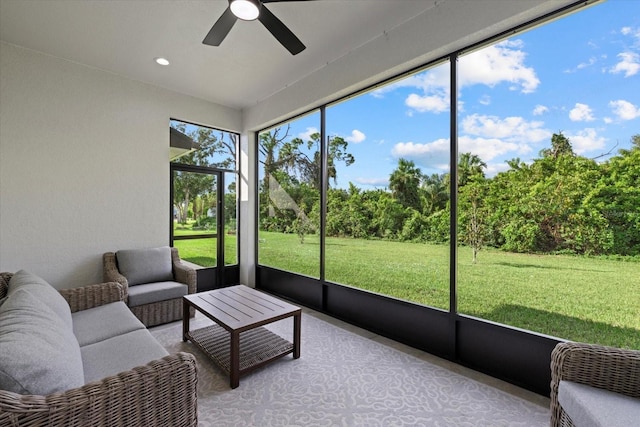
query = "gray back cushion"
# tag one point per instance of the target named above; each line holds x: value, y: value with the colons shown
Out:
x: 145, y: 265
x: 40, y: 355
x: 45, y: 292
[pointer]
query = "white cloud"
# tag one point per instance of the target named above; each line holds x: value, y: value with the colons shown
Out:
x: 306, y: 135
x: 581, y: 113
x: 511, y: 129
x: 495, y: 168
x: 540, y: 110
x: 629, y: 64
x: 432, y: 154
x: 356, y: 137
x: 624, y: 109
x: 582, y: 65
x: 373, y: 181
x: 495, y: 64
x: 485, y: 148
x: 586, y: 140
x: 485, y: 100
x: 433, y: 103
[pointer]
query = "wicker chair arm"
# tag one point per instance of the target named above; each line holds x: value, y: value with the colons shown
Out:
x: 609, y: 368
x: 86, y: 297
x: 161, y: 393
x: 110, y: 272
x: 183, y: 273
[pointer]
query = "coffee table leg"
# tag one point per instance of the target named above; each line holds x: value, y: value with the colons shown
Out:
x: 297, y: 322
x: 185, y: 320
x: 234, y: 359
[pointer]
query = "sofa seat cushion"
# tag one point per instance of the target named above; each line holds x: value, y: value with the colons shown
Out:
x: 145, y: 265
x: 104, y: 322
x: 590, y: 406
x: 40, y: 354
x: 154, y: 292
x: 120, y: 353
x: 45, y: 292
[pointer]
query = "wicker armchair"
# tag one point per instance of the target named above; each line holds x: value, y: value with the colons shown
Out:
x: 161, y: 393
x: 159, y: 312
x: 608, y: 368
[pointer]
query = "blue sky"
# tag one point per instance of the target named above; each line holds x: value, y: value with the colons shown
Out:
x: 579, y: 75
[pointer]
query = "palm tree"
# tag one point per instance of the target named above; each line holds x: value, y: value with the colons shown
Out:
x: 404, y: 183
x: 469, y: 166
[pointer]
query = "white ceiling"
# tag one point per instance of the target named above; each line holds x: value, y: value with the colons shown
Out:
x: 124, y: 37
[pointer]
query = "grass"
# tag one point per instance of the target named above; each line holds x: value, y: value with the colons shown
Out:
x: 203, y: 251
x: 578, y: 298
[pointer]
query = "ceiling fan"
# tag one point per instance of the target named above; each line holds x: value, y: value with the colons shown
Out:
x: 249, y: 10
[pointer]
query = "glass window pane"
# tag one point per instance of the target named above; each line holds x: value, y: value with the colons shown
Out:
x: 549, y: 199
x: 195, y: 214
x: 387, y: 203
x: 203, y: 146
x: 289, y: 191
x: 230, y: 219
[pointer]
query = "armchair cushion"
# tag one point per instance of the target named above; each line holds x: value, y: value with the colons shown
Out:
x: 154, y: 292
x: 103, y: 322
x: 591, y: 406
x: 40, y: 355
x: 145, y: 265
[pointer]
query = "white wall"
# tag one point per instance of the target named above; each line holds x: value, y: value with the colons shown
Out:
x: 84, y: 163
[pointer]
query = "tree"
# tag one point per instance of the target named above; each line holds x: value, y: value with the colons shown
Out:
x: 560, y: 146
x: 435, y: 193
x: 404, y: 182
x: 472, y: 198
x: 469, y: 167
x: 216, y: 149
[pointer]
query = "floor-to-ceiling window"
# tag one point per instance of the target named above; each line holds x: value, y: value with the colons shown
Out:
x: 549, y: 203
x: 289, y: 169
x: 387, y: 219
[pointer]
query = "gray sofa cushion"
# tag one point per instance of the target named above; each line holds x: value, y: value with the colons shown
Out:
x: 118, y: 354
x: 104, y: 322
x: 590, y: 406
x: 40, y: 354
x: 46, y: 293
x: 145, y: 265
x: 154, y: 292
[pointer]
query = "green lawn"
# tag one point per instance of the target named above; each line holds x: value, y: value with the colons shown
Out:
x: 578, y: 298
x: 203, y: 251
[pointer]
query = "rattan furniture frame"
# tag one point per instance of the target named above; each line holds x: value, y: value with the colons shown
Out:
x: 159, y: 312
x: 161, y: 393
x: 237, y: 342
x: 608, y: 368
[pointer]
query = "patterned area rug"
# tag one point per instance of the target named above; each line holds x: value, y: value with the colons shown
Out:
x: 344, y: 379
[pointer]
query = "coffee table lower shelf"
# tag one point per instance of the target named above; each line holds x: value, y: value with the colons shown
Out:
x: 257, y: 346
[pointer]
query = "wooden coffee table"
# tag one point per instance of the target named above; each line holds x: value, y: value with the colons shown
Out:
x: 237, y: 342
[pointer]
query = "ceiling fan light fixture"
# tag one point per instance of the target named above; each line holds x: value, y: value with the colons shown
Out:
x: 247, y: 10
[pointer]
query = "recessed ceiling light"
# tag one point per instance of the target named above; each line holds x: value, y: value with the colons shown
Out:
x: 161, y: 61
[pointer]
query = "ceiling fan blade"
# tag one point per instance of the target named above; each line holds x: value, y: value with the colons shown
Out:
x: 221, y: 28
x: 281, y: 32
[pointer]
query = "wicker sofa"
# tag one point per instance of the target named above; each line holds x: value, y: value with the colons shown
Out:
x: 154, y: 281
x: 79, y: 357
x: 594, y: 385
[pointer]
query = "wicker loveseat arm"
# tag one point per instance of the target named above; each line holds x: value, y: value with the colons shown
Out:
x: 161, y: 393
x: 86, y: 297
x: 608, y: 368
